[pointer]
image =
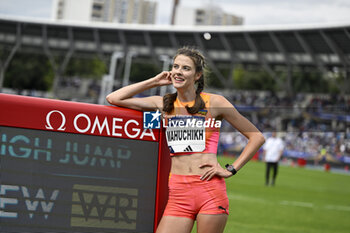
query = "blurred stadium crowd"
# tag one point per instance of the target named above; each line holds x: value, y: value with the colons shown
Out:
x: 314, y: 127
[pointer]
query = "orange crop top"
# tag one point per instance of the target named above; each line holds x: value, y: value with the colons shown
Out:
x: 189, y: 134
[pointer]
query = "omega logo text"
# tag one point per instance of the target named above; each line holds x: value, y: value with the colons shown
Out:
x: 109, y: 126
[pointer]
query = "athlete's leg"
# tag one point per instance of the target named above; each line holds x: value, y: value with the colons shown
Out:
x: 172, y: 224
x: 275, y: 170
x: 179, y: 214
x: 210, y: 223
x: 267, y: 176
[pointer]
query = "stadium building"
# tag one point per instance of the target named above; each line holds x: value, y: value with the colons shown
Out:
x: 207, y: 15
x: 117, y: 11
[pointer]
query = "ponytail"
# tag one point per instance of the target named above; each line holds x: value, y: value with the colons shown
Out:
x: 168, y: 102
x: 199, y: 103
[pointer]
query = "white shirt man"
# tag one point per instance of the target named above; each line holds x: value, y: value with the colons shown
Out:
x: 273, y: 150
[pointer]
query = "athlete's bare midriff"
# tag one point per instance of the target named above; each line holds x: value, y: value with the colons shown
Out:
x: 189, y: 164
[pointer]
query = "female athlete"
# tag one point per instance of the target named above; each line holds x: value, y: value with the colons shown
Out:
x: 197, y: 190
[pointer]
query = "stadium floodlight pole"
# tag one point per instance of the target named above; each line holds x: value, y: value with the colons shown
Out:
x: 105, y: 82
x: 128, y: 62
x: 173, y: 14
x: 166, y: 62
x: 108, y: 80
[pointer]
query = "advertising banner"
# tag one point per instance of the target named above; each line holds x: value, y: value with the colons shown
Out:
x: 70, y: 167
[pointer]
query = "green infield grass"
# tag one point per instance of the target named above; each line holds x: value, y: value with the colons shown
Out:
x: 302, y: 201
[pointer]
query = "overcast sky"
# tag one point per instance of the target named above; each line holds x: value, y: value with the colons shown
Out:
x: 254, y: 12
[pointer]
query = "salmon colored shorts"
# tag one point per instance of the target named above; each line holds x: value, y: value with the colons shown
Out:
x: 189, y: 196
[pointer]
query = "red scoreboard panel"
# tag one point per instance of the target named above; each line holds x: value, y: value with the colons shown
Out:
x: 75, y: 167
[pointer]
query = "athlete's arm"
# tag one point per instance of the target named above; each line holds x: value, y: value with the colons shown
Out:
x: 221, y: 107
x: 123, y: 97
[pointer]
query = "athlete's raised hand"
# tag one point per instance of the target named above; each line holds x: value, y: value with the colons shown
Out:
x: 163, y: 78
x: 124, y: 97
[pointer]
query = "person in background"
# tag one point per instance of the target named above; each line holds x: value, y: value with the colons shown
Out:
x: 273, y: 150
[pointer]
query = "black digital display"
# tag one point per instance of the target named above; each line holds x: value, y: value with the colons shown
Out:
x: 65, y: 182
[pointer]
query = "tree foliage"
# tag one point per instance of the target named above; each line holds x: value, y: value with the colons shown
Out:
x: 310, y: 81
x: 29, y: 71
x: 34, y: 71
x: 86, y: 68
x: 141, y: 71
x: 253, y: 79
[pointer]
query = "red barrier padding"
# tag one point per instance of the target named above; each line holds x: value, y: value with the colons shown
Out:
x: 73, y: 117
x: 87, y: 119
